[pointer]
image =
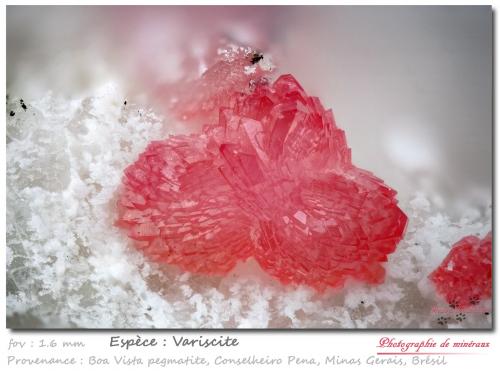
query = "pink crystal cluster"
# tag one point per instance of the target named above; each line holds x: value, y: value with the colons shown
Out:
x: 464, y: 276
x: 271, y: 179
x: 197, y: 100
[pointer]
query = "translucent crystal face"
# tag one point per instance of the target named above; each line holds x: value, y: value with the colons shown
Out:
x: 271, y: 179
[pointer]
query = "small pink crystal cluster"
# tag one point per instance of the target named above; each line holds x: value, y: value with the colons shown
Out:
x: 272, y: 179
x: 197, y: 100
x: 464, y: 276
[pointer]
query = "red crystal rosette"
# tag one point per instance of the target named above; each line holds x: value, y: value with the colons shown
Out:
x: 272, y: 180
x: 464, y: 276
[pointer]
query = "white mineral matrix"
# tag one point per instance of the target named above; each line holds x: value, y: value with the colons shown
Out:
x: 69, y: 266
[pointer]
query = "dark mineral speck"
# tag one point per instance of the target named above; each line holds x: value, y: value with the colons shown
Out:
x: 453, y: 304
x: 443, y: 320
x: 474, y: 300
x: 12, y: 113
x: 257, y: 57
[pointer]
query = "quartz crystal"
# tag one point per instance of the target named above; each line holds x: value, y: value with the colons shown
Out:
x: 464, y: 276
x: 270, y: 178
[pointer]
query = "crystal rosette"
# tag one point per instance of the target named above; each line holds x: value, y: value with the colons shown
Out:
x: 271, y: 179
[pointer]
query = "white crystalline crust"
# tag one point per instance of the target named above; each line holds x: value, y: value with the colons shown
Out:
x: 68, y: 266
